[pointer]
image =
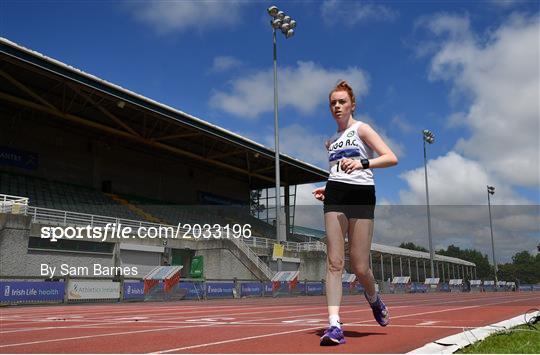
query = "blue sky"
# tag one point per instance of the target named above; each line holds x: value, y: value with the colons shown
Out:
x: 467, y: 70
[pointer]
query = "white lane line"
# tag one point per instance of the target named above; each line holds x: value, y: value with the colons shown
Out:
x: 312, y: 328
x: 102, y: 335
x: 174, y: 319
x: 155, y: 312
x: 177, y: 319
x: 429, y: 322
x: 364, y: 309
x: 39, y: 311
x: 194, y: 326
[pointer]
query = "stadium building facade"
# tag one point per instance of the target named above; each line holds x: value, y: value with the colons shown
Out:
x: 78, y: 151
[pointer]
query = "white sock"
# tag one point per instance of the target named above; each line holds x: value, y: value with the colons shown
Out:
x: 334, y: 321
x: 372, y: 298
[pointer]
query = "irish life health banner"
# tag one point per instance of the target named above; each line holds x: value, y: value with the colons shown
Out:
x: 31, y: 291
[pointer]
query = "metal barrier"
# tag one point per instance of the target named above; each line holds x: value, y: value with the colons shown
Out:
x: 13, y: 204
x: 67, y: 218
x: 258, y: 242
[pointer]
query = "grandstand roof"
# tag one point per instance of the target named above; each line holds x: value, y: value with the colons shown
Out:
x: 309, y: 232
x: 386, y: 249
x: 43, y: 84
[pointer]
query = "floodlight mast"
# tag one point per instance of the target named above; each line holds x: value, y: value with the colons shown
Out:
x: 286, y: 24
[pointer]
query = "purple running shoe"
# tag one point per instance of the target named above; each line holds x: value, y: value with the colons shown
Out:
x: 332, y: 336
x: 380, y: 311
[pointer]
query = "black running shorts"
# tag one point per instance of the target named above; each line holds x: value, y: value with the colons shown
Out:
x: 355, y: 201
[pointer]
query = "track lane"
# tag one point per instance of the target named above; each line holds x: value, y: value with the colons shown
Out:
x: 259, y: 323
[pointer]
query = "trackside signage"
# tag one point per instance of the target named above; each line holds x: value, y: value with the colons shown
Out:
x: 314, y: 288
x: 219, y: 289
x: 268, y: 288
x: 31, y: 291
x: 86, y: 290
x: 134, y: 290
x: 251, y: 289
x: 195, y: 290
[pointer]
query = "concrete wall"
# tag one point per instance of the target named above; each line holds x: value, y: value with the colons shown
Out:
x: 222, y: 264
x: 312, y: 266
x: 17, y: 260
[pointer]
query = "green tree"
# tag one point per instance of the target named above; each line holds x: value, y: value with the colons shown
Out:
x: 524, y: 269
x: 483, y: 269
x: 523, y: 258
x: 412, y: 246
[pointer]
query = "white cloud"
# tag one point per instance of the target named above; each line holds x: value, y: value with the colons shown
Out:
x: 455, y: 180
x: 302, y: 143
x: 304, y: 87
x: 500, y: 76
x: 515, y: 228
x: 224, y: 63
x: 179, y: 16
x: 351, y: 13
x: 295, y: 140
x: 455, y: 27
x: 402, y: 124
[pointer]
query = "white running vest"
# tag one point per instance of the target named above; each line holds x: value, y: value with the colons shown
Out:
x: 347, y: 144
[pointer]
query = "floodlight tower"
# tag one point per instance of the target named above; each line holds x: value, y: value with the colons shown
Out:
x: 284, y: 23
x: 428, y: 137
x: 491, y: 191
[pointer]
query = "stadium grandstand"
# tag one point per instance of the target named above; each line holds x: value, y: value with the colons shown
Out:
x: 77, y: 150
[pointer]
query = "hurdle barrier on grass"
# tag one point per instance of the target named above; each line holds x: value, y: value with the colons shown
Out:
x: 401, y: 284
x: 500, y: 286
x: 476, y: 285
x: 432, y: 284
x: 456, y: 285
x: 489, y: 286
x: 417, y: 287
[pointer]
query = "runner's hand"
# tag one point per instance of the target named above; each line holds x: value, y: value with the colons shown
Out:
x: 319, y: 193
x: 349, y: 165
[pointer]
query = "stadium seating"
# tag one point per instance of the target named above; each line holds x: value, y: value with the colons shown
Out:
x: 68, y: 197
x: 62, y: 196
x: 193, y: 214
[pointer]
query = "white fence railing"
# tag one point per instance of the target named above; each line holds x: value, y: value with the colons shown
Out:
x: 67, y: 218
x: 13, y: 204
x: 257, y: 242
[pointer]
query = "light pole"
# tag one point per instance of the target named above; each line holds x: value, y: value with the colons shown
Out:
x: 284, y: 23
x: 429, y: 138
x: 491, y: 191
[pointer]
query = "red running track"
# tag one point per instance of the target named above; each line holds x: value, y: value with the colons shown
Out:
x: 262, y: 325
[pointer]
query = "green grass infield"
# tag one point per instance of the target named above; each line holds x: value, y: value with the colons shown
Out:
x: 518, y: 340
